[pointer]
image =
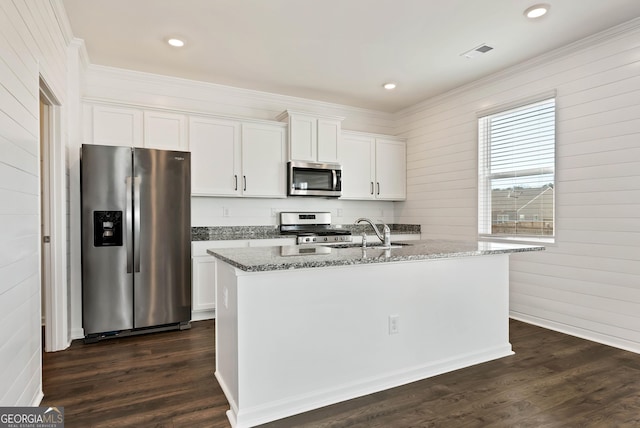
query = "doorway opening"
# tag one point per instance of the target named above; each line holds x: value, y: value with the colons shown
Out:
x: 53, y: 224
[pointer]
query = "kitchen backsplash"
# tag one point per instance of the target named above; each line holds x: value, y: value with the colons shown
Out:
x: 207, y: 211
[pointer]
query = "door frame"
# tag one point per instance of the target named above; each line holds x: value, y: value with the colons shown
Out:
x: 55, y: 297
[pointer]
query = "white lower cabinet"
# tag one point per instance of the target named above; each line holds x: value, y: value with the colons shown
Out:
x: 203, y: 290
x: 203, y: 277
x: 204, y: 268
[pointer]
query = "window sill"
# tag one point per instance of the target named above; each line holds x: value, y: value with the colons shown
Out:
x: 550, y: 241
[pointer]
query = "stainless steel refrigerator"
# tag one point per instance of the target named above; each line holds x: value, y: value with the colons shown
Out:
x: 136, y: 240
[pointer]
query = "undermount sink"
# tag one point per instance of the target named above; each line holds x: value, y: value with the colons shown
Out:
x: 378, y: 245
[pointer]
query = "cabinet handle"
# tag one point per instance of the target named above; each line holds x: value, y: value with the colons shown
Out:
x: 372, y: 187
x: 378, y: 183
x: 235, y: 178
x: 244, y: 180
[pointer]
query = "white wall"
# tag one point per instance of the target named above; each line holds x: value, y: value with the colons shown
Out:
x: 31, y: 45
x: 588, y: 283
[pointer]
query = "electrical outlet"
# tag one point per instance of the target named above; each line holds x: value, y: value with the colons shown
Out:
x: 394, y: 324
x: 225, y: 212
x: 274, y: 212
x: 339, y: 214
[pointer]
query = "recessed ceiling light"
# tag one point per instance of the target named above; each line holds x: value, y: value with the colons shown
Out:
x: 175, y: 42
x: 536, y: 11
x: 389, y: 86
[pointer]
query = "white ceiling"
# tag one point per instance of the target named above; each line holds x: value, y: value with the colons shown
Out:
x: 339, y: 51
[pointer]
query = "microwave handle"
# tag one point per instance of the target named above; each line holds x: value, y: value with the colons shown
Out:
x: 335, y: 178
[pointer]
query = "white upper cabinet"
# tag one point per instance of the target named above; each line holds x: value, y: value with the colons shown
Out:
x: 358, y: 160
x: 113, y: 126
x: 373, y: 167
x: 313, y: 138
x: 264, y: 160
x: 231, y: 158
x: 329, y: 137
x: 166, y: 131
x: 215, y: 157
x: 391, y: 169
x: 303, y: 134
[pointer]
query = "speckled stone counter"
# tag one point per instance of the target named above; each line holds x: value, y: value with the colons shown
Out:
x: 223, y: 233
x: 260, y: 259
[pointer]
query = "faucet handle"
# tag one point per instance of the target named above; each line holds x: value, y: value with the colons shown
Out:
x: 385, y: 226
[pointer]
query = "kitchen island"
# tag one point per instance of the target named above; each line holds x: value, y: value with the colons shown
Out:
x: 300, y: 328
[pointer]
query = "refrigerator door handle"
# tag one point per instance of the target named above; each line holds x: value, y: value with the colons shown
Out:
x: 136, y: 224
x: 129, y: 224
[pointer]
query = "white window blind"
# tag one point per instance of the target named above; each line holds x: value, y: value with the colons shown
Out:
x: 516, y: 180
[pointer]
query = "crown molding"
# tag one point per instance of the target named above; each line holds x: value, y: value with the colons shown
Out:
x: 305, y: 104
x: 539, y: 61
x: 81, y: 48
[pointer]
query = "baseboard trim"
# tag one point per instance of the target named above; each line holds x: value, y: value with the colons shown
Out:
x: 201, y: 315
x: 268, y: 412
x: 37, y: 399
x: 593, y: 336
x: 77, y: 333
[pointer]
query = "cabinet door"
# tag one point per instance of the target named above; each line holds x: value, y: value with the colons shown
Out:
x: 357, y: 157
x: 203, y: 290
x: 215, y: 157
x: 204, y: 269
x: 303, y: 135
x: 391, y: 170
x: 167, y: 131
x: 116, y: 126
x: 263, y: 160
x: 329, y: 133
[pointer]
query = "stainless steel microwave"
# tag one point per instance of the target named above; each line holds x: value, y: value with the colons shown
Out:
x: 314, y: 179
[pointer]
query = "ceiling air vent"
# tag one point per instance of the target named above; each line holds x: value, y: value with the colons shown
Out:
x: 477, y: 51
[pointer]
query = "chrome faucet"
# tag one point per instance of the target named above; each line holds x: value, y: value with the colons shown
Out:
x: 385, y: 237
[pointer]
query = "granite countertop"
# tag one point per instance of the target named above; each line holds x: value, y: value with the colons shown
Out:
x: 260, y: 259
x: 224, y: 233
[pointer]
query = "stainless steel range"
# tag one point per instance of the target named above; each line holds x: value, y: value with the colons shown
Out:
x: 312, y: 228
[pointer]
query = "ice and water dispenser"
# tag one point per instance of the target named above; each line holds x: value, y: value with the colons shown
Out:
x: 107, y: 228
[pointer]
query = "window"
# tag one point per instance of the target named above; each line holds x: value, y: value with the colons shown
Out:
x: 517, y: 171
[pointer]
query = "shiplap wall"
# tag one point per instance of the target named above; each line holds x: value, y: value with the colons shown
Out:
x: 31, y: 45
x: 588, y: 282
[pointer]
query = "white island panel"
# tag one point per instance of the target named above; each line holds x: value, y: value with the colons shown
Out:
x: 288, y: 341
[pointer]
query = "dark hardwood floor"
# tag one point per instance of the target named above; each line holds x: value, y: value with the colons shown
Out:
x: 166, y: 380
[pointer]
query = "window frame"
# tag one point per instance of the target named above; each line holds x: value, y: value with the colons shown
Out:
x: 484, y: 213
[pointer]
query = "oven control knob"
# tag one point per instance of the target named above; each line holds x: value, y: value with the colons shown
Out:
x: 325, y: 239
